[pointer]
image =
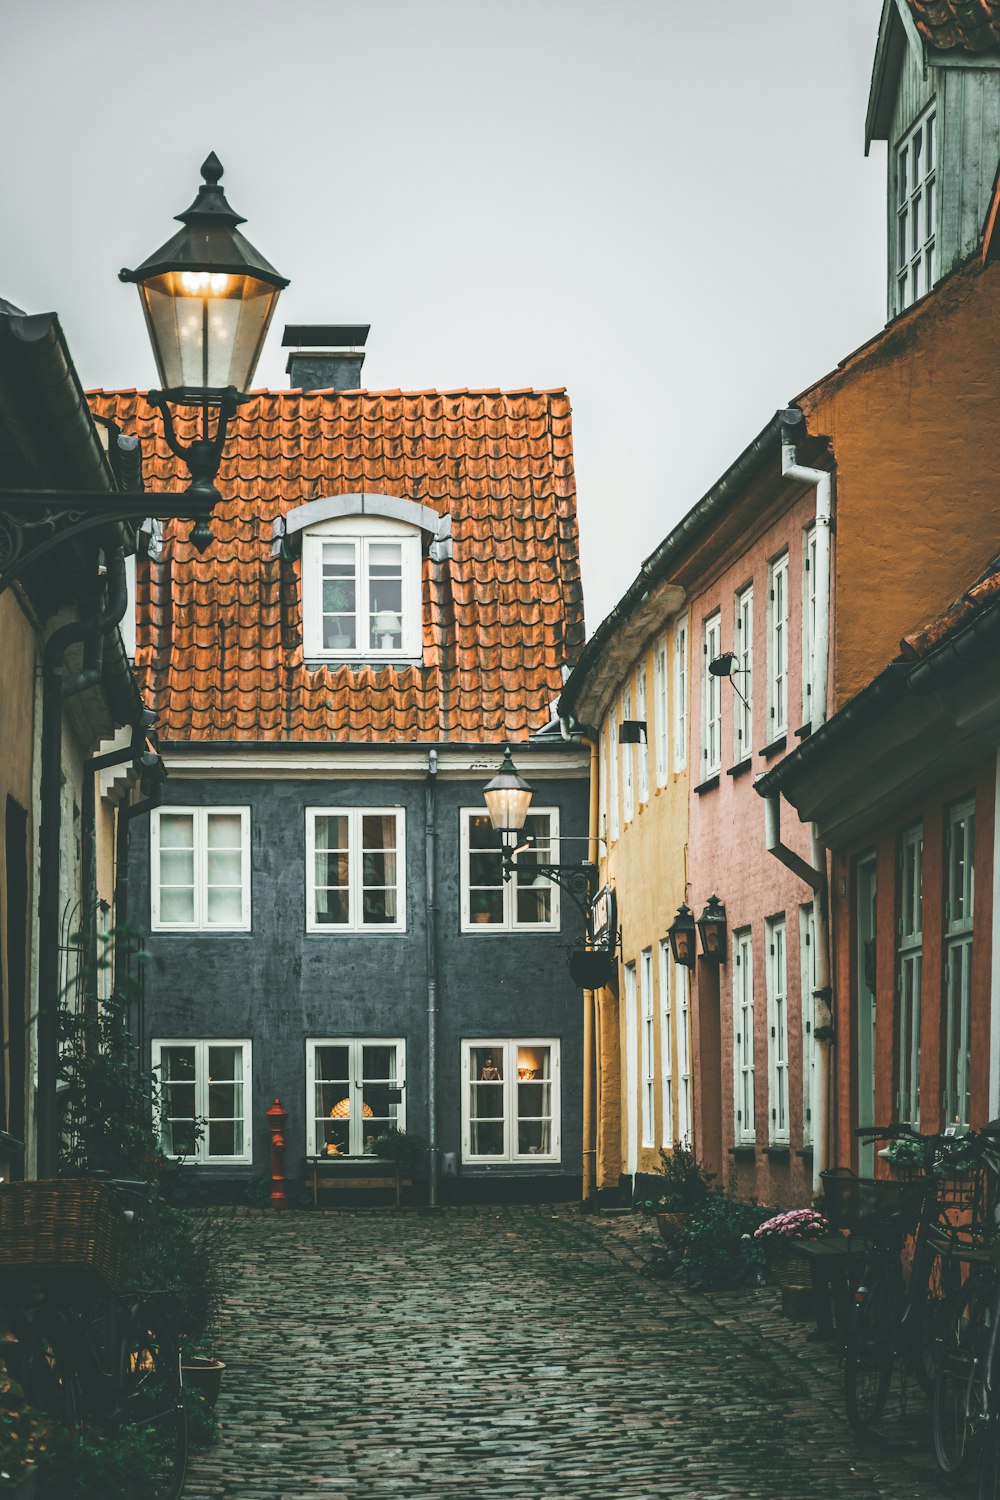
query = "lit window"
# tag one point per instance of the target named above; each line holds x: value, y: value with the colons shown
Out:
x: 743, y: 677
x: 356, y: 1093
x: 777, y: 648
x: 200, y: 869
x: 910, y: 957
x: 510, y: 1100
x: 361, y: 590
x: 355, y: 869
x: 528, y: 901
x: 916, y: 212
x: 711, y: 699
x: 745, y: 1132
x: 958, y: 913
x: 204, y: 1100
x: 777, y: 1031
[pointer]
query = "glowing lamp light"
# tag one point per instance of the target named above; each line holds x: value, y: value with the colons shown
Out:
x: 508, y: 797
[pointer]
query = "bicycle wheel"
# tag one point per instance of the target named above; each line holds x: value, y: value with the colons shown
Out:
x: 868, y: 1359
x: 957, y: 1401
x: 926, y: 1318
x: 989, y: 1462
x: 153, y: 1403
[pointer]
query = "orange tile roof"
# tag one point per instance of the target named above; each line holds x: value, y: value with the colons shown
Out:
x: 977, y: 598
x: 219, y: 647
x: 966, y: 25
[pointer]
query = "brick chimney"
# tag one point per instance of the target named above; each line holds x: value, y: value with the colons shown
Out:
x: 325, y: 356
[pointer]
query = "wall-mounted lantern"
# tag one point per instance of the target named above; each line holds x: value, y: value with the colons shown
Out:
x: 681, y: 935
x: 712, y: 930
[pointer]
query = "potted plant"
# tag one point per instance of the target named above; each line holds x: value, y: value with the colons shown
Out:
x: 684, y: 1187
x: 405, y: 1151
x: 779, y: 1236
x: 24, y: 1434
x: 905, y: 1156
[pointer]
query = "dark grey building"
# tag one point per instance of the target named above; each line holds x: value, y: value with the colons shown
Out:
x: 393, y: 595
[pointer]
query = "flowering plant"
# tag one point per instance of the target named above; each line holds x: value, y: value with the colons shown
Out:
x: 23, y: 1431
x: 797, y: 1224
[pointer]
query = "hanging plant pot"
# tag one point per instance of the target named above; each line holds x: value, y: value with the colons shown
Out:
x: 204, y: 1377
x: 591, y: 968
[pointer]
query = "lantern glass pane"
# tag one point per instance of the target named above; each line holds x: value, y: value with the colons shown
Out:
x: 207, y: 327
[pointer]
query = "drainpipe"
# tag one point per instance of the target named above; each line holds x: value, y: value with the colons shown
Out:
x: 56, y: 687
x: 792, y: 429
x: 430, y: 855
x: 589, y: 1159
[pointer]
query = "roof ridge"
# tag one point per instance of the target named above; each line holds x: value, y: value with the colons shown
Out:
x: 264, y: 390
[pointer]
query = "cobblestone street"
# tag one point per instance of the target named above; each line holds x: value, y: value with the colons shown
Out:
x: 517, y: 1352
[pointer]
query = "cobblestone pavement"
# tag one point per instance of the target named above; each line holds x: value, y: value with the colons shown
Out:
x: 517, y: 1352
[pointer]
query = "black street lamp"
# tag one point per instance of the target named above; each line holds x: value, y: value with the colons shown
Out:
x: 681, y: 936
x: 712, y: 930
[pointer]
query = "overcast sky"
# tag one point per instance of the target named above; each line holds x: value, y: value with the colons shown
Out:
x: 663, y: 205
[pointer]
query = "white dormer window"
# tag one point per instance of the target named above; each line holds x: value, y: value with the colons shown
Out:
x: 361, y: 590
x: 916, y: 211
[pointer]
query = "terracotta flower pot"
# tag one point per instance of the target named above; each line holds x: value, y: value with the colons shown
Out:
x: 203, y: 1376
x: 672, y: 1225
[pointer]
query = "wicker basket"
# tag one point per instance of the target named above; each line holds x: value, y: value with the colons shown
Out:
x: 790, y: 1270
x: 61, y: 1224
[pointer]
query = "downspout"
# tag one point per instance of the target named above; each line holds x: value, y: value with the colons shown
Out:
x: 589, y: 1157
x: 430, y: 855
x: 56, y: 687
x: 792, y: 428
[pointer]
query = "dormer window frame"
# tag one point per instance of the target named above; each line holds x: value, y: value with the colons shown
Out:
x: 915, y: 199
x: 357, y: 538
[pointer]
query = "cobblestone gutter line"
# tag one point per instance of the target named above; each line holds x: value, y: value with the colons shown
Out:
x: 514, y: 1352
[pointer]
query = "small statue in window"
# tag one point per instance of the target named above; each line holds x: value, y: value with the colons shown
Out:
x: 490, y: 1073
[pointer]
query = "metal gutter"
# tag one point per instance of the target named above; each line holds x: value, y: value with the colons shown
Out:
x: 695, y: 524
x: 958, y: 652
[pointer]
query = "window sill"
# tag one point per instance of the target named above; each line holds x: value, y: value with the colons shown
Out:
x: 189, y: 932
x: 483, y: 929
x: 743, y: 1153
x: 778, y: 1153
x: 805, y: 1153
x: 376, y: 928
x: 804, y: 731
x: 707, y: 786
x: 741, y: 767
x: 475, y: 1167
x: 774, y: 748
x: 314, y: 663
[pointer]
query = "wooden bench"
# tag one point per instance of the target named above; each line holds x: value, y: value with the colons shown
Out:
x: 354, y: 1174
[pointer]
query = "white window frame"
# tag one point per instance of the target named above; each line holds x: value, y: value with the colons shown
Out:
x: 602, y: 782
x: 631, y: 1017
x: 510, y: 922
x: 200, y: 816
x: 914, y: 229
x: 361, y: 532
x: 201, y: 1045
x: 777, y: 1032
x: 909, y: 979
x: 666, y: 1046
x: 613, y: 769
x: 648, y: 1048
x: 744, y: 1122
x: 808, y: 621
x: 682, y: 989
x: 743, y: 676
x: 777, y: 648
x: 711, y: 698
x: 960, y: 892
x: 509, y: 1047
x: 628, y: 779
x: 355, y: 1084
x: 661, y: 721
x: 355, y: 824
x: 680, y: 692
x: 642, y: 749
x: 807, y: 967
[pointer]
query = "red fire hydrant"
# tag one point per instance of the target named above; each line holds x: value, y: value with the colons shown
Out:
x: 277, y: 1118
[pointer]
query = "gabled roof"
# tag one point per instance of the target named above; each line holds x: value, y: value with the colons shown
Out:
x: 220, y: 636
x: 942, y: 33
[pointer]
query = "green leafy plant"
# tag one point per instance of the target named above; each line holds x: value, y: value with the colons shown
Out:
x: 905, y: 1153
x: 83, y: 1462
x: 685, y: 1183
x: 407, y: 1151
x: 25, y: 1432
x: 718, y: 1249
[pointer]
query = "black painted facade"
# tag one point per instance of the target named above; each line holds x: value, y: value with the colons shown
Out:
x: 278, y: 984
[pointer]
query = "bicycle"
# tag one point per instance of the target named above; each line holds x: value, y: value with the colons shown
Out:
x: 892, y: 1319
x: 84, y: 1352
x: 966, y: 1403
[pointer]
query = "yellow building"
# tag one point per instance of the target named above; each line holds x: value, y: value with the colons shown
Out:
x: 630, y: 693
